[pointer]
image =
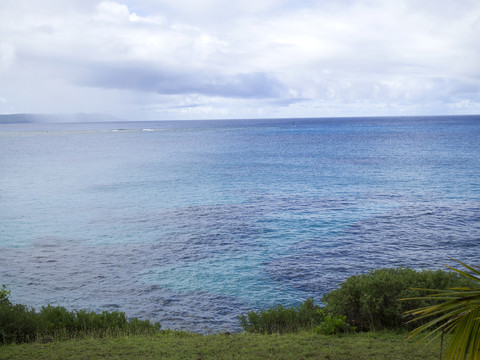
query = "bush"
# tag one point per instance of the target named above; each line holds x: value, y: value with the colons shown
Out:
x: 17, y: 323
x: 279, y: 319
x: 334, y: 325
x: 371, y: 301
x: 21, y: 324
x: 4, y: 293
x: 55, y: 320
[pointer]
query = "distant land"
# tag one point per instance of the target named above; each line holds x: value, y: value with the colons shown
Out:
x: 56, y: 118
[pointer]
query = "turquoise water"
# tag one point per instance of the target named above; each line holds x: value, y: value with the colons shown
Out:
x: 193, y: 223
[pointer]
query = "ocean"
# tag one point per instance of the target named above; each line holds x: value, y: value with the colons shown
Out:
x: 192, y: 223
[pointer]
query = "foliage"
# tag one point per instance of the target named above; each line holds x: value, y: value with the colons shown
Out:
x: 334, y: 325
x: 458, y: 314
x: 19, y: 323
x: 279, y: 319
x: 4, y: 294
x: 371, y: 301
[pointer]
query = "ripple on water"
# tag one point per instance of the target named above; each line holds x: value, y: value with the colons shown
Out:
x: 417, y: 236
x: 202, y: 280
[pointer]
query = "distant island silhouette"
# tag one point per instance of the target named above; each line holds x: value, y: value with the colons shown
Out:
x: 56, y: 118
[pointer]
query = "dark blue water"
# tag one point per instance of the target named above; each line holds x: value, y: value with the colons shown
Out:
x: 194, y: 223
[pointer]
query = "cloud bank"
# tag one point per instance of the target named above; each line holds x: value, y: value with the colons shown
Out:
x: 145, y: 59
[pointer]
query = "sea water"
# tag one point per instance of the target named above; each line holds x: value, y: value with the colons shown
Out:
x: 192, y: 223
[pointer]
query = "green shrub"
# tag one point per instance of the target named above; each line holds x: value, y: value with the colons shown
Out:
x: 17, y: 323
x: 371, y: 301
x: 55, y: 320
x: 4, y: 293
x: 279, y: 319
x: 21, y: 324
x: 334, y: 325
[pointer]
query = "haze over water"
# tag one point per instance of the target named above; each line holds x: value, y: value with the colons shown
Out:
x: 192, y: 223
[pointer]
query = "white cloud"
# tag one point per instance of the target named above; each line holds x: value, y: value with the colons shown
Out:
x: 7, y: 55
x: 285, y: 58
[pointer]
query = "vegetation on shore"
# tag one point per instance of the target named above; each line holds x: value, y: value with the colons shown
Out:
x: 18, y: 323
x: 368, y: 302
x: 365, y: 302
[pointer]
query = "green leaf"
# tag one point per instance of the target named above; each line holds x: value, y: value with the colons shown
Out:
x: 458, y: 315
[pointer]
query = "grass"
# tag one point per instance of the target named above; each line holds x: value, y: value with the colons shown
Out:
x: 173, y: 345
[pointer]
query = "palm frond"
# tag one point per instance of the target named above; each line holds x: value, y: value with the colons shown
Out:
x: 458, y: 314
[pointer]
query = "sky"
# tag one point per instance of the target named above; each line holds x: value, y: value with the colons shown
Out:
x: 218, y: 59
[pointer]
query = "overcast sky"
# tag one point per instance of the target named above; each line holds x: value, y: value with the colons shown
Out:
x: 196, y: 59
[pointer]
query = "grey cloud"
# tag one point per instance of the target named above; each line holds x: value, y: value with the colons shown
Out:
x: 285, y: 102
x: 170, y: 82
